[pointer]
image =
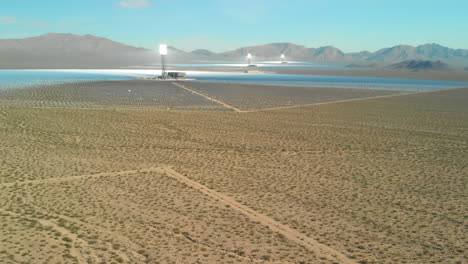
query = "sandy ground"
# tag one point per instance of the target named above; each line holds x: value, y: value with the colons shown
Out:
x: 368, y: 181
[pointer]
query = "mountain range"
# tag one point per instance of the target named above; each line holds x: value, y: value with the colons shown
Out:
x: 420, y: 65
x: 68, y: 50
x: 56, y: 50
x: 432, y: 52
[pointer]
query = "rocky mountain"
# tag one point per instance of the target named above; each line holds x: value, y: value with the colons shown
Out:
x: 69, y: 50
x: 268, y: 51
x: 174, y: 53
x: 291, y: 51
x: 419, y: 65
x: 327, y: 54
x: 385, y: 56
x: 432, y: 52
x: 202, y: 52
x: 74, y: 51
x: 393, y: 54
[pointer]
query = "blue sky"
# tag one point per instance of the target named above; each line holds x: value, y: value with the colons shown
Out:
x: 220, y: 25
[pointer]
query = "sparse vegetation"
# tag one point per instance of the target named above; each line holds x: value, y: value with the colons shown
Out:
x: 371, y: 179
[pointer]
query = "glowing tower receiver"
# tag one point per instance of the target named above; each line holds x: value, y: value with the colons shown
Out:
x: 163, y: 52
x: 282, y: 58
x: 249, y: 57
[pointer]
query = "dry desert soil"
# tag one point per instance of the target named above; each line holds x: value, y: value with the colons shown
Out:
x: 101, y: 177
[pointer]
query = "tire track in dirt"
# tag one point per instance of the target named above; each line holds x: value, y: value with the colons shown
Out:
x: 209, y: 98
x: 309, y: 243
x: 76, y: 252
x: 123, y: 240
x: 330, y: 102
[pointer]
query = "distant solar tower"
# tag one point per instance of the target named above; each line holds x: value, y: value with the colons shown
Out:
x: 249, y: 57
x: 282, y: 58
x: 163, y: 52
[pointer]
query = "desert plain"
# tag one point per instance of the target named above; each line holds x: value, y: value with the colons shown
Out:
x: 95, y: 173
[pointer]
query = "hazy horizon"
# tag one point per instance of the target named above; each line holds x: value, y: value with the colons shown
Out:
x: 219, y: 26
x: 261, y: 44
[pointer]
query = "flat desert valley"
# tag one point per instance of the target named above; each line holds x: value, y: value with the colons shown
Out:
x: 192, y: 172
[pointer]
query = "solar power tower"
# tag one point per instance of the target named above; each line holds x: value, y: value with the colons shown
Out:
x: 163, y: 52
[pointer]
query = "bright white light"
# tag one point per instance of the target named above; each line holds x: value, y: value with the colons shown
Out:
x: 163, y: 49
x: 249, y: 56
x: 282, y: 56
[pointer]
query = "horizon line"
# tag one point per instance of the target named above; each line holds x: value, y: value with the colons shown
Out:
x: 171, y: 46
